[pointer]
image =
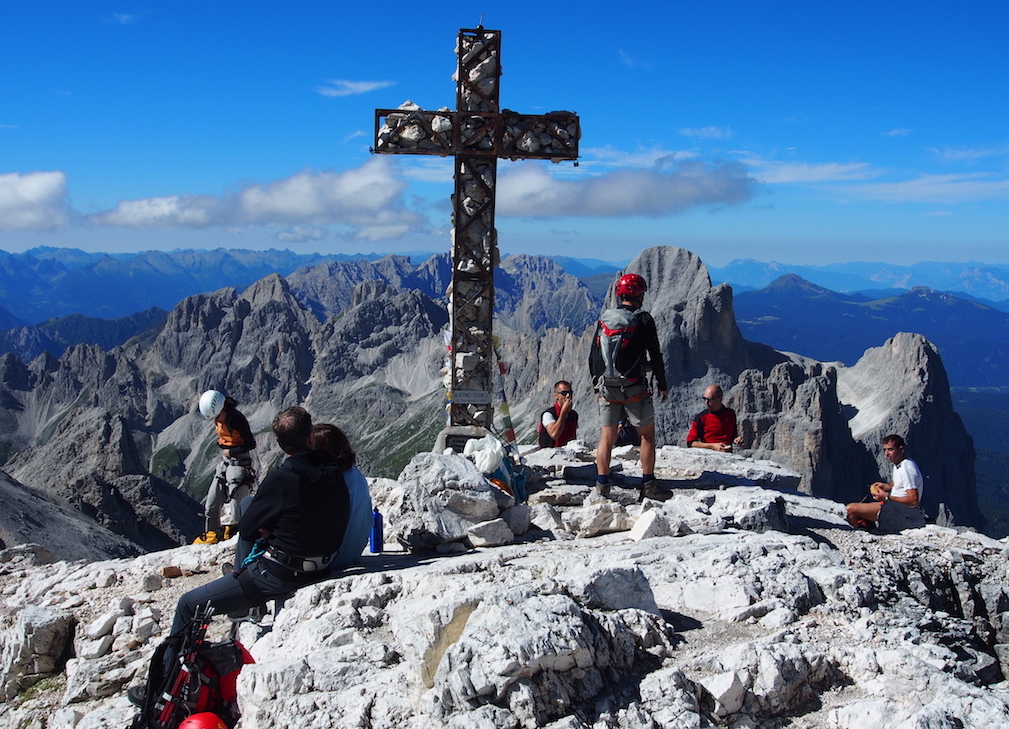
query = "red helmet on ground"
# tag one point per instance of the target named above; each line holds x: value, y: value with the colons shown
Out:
x: 631, y: 286
x: 203, y: 720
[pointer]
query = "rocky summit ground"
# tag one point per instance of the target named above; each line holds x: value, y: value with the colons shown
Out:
x: 737, y: 602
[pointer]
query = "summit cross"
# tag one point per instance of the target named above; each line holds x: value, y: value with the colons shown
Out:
x: 476, y: 135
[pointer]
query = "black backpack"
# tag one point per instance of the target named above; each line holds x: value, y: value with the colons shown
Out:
x: 620, y: 350
x: 189, y: 676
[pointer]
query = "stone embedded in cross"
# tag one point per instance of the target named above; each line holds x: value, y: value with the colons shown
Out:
x: 476, y: 135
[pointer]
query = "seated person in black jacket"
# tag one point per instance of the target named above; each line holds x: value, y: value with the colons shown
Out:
x: 297, y: 520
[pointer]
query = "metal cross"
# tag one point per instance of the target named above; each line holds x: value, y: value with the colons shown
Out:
x: 477, y: 135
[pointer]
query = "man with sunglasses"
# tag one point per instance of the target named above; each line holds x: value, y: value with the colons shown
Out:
x: 559, y: 422
x: 714, y: 428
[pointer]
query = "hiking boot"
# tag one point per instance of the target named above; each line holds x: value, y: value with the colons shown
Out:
x: 652, y: 490
x: 230, y: 531
x: 207, y: 538
x: 603, y: 489
x: 137, y: 695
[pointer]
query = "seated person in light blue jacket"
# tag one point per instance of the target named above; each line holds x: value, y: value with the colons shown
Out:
x: 333, y: 440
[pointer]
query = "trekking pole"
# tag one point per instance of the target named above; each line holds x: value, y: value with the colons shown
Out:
x: 177, y: 697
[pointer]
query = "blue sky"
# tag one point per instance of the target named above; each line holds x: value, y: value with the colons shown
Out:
x: 803, y: 132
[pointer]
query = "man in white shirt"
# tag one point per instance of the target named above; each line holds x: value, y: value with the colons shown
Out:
x: 894, y: 504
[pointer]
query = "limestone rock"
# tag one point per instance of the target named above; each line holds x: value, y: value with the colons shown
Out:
x: 491, y: 533
x: 442, y: 498
x: 823, y: 626
x: 902, y: 387
x: 33, y: 647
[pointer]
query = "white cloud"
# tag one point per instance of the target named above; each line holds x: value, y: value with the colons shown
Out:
x: 898, y: 133
x: 528, y: 190
x: 364, y: 198
x: 33, y: 201
x: 707, y: 132
x: 340, y: 87
x: 631, y: 62
x: 968, y: 154
x: 420, y: 168
x: 301, y: 233
x: 941, y: 189
x: 772, y: 172
x: 639, y: 158
x: 123, y: 18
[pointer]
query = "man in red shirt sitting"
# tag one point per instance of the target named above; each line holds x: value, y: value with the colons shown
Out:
x: 714, y: 428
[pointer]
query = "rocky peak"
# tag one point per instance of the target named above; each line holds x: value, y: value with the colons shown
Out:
x: 902, y: 387
x: 533, y: 294
x: 724, y: 605
x: 374, y: 368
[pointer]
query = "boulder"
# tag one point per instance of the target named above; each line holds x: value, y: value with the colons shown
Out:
x: 36, y: 645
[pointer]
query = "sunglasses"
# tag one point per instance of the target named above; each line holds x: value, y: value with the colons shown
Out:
x: 566, y: 393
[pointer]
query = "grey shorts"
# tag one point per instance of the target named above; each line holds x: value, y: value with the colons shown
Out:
x: 894, y: 516
x: 633, y: 404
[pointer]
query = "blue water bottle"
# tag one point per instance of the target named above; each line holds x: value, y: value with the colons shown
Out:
x: 377, y: 539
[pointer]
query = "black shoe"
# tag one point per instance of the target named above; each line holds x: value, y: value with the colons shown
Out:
x: 652, y: 490
x: 137, y: 695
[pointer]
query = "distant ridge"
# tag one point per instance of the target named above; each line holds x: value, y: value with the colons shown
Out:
x: 48, y: 283
x: 56, y: 335
x: 988, y: 281
x: 796, y: 315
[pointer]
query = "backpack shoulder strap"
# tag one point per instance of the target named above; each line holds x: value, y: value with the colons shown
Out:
x: 699, y: 422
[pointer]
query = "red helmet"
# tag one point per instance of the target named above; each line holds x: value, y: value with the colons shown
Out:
x: 631, y: 286
x: 204, y: 720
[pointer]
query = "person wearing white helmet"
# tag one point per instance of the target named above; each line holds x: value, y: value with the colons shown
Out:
x: 296, y: 526
x: 234, y: 477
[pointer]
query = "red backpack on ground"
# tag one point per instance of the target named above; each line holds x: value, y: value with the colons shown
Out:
x: 190, y: 676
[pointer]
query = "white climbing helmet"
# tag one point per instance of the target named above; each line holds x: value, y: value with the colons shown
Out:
x: 211, y: 403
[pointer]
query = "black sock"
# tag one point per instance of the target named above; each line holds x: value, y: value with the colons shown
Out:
x: 603, y: 478
x: 646, y: 477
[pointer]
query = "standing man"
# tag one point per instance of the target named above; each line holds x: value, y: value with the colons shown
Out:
x: 559, y: 423
x: 894, y: 504
x: 625, y: 348
x: 714, y: 428
x: 298, y: 519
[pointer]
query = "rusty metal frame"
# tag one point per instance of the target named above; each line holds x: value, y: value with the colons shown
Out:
x: 478, y: 137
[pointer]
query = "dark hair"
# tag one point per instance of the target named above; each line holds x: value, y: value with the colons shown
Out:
x: 561, y: 382
x: 292, y: 428
x: 229, y: 403
x: 895, y: 440
x: 334, y: 441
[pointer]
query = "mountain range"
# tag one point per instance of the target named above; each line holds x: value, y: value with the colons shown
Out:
x: 984, y: 281
x: 799, y: 316
x: 46, y: 283
x: 733, y: 603
x: 360, y: 344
